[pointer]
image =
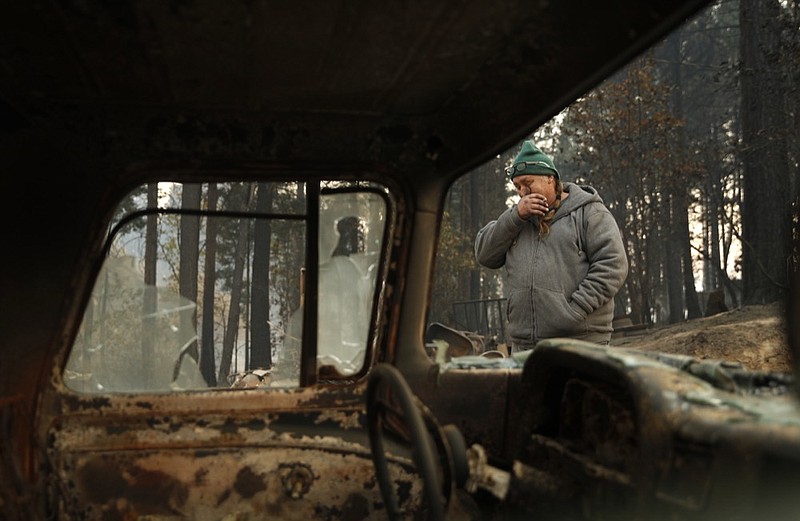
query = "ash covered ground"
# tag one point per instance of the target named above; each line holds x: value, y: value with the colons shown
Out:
x: 754, y: 336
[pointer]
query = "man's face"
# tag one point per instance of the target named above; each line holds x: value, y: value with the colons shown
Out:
x: 535, y: 184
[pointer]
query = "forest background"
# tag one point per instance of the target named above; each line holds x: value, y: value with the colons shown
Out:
x: 694, y: 147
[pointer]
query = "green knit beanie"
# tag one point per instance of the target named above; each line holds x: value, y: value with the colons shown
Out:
x: 531, y: 161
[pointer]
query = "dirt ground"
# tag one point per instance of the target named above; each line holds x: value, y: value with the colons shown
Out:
x: 754, y: 336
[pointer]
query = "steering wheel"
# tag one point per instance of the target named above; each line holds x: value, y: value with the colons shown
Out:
x: 389, y: 397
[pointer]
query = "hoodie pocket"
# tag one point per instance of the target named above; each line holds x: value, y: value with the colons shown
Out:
x: 555, y: 316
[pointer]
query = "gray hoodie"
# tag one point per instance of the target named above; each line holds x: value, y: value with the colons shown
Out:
x: 562, y: 284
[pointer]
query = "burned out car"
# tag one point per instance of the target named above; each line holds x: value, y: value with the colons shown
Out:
x: 224, y: 220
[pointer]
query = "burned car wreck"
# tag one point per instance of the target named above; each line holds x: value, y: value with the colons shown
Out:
x: 224, y: 221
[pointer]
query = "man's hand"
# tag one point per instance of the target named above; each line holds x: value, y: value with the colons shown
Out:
x: 532, y: 204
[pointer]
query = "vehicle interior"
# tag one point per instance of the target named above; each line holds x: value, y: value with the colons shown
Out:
x: 224, y: 220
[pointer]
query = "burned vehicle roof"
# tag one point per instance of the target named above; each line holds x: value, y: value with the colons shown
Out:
x: 437, y: 88
x: 334, y: 129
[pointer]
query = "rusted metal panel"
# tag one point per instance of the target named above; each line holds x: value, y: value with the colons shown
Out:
x: 290, y: 465
x: 229, y: 483
x: 222, y: 454
x: 273, y: 399
x: 110, y: 432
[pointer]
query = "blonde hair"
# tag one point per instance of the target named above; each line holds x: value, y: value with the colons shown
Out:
x: 544, y: 222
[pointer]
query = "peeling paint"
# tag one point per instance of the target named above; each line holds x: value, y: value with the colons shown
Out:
x: 290, y: 483
x: 346, y: 420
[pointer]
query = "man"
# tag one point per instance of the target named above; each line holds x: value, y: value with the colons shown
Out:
x: 563, y: 253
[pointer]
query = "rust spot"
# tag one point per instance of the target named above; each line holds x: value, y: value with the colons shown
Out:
x: 115, y: 429
x: 229, y: 427
x: 200, y: 476
x: 224, y: 496
x: 355, y: 508
x: 256, y: 425
x: 155, y: 484
x: 248, y: 483
x: 101, y: 481
x: 370, y: 484
x: 403, y: 491
x: 77, y: 402
x: 145, y: 491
